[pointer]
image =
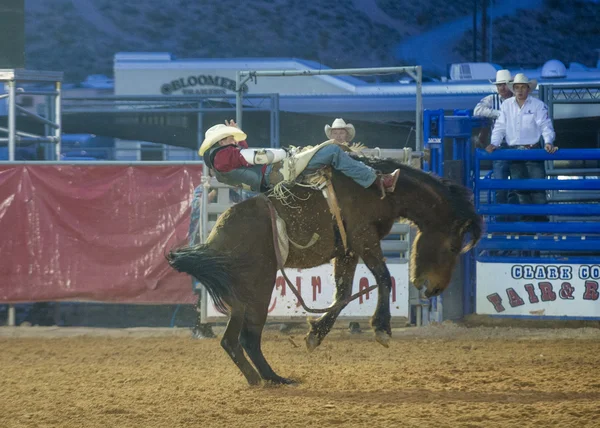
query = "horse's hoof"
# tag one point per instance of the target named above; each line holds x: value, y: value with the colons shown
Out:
x: 282, y: 381
x: 254, y: 379
x: 383, y: 338
x: 254, y: 382
x: 354, y: 328
x: 203, y: 331
x: 312, y: 341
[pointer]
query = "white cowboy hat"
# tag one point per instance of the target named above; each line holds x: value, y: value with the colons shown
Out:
x: 502, y: 76
x: 216, y: 133
x: 521, y: 79
x: 340, y: 124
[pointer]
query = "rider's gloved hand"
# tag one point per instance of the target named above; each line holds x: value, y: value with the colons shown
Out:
x: 357, y: 147
x: 290, y: 151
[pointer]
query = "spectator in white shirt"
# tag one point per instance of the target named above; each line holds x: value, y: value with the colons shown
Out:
x: 489, y: 107
x: 522, y: 121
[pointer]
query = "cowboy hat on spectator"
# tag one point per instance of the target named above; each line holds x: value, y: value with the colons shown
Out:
x: 502, y: 76
x: 521, y: 79
x: 341, y: 124
x: 216, y: 133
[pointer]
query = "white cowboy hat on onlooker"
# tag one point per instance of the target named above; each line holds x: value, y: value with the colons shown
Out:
x: 521, y: 79
x: 216, y: 133
x: 502, y: 76
x: 341, y: 124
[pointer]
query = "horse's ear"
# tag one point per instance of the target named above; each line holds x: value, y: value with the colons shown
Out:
x: 468, y: 247
x: 462, y: 231
x: 475, y: 229
x: 463, y: 228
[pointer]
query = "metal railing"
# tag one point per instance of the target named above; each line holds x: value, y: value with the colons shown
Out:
x: 52, y: 119
x: 552, y: 239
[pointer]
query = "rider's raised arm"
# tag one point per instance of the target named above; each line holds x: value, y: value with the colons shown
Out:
x: 263, y: 156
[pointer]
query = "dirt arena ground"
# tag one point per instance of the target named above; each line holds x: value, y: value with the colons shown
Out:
x: 437, y: 376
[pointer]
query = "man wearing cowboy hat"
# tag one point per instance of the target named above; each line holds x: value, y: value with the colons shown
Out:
x: 523, y: 121
x: 489, y: 107
x: 340, y: 131
x: 226, y: 152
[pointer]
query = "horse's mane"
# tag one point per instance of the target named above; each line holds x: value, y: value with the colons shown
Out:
x: 459, y: 196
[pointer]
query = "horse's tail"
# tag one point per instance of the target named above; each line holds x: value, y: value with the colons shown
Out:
x: 214, y: 269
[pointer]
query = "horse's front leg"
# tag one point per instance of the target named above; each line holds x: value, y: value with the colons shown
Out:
x: 373, y: 258
x: 344, y: 268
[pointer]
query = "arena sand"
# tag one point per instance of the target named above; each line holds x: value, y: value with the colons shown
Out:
x: 439, y: 376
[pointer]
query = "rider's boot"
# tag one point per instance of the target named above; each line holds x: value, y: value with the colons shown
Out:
x: 386, y: 183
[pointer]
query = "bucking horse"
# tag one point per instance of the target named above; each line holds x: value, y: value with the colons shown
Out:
x: 238, y: 263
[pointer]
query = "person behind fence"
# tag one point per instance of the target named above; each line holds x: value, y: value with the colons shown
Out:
x: 489, y: 107
x: 226, y: 152
x: 524, y: 121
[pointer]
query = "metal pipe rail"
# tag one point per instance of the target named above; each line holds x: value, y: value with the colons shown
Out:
x: 538, y: 227
x: 332, y: 72
x: 20, y: 91
x: 535, y: 184
x: 103, y: 163
x: 539, y: 184
x: 37, y: 117
x: 563, y: 259
x: 22, y: 139
x: 533, y: 209
x: 504, y: 243
x: 573, y: 171
x: 138, y: 110
x: 11, y: 77
x: 415, y: 72
x: 538, y: 154
x: 162, y: 98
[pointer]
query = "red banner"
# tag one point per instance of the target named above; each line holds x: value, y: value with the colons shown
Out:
x: 94, y: 232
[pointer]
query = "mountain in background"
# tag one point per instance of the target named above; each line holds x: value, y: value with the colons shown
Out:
x: 80, y: 37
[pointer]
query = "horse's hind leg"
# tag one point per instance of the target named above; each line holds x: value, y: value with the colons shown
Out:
x: 250, y: 338
x: 373, y: 258
x: 231, y: 343
x: 344, y: 268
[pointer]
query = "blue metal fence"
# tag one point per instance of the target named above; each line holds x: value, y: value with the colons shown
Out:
x: 557, y: 240
x: 439, y: 132
x: 572, y: 235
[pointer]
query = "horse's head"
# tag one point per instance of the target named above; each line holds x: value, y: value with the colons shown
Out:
x: 445, y: 215
x: 435, y: 253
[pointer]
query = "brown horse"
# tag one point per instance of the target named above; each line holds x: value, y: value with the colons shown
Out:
x: 238, y: 266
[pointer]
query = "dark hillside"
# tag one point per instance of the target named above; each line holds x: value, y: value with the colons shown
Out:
x: 80, y: 37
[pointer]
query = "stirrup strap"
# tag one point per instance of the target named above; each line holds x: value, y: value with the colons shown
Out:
x: 334, y: 207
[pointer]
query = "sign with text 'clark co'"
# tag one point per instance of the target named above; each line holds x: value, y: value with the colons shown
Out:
x: 317, y: 288
x: 538, y: 289
x: 202, y: 84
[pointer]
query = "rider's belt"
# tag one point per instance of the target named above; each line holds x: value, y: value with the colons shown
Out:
x: 528, y: 146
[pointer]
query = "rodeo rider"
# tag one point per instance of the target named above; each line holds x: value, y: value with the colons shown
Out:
x: 226, y: 152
